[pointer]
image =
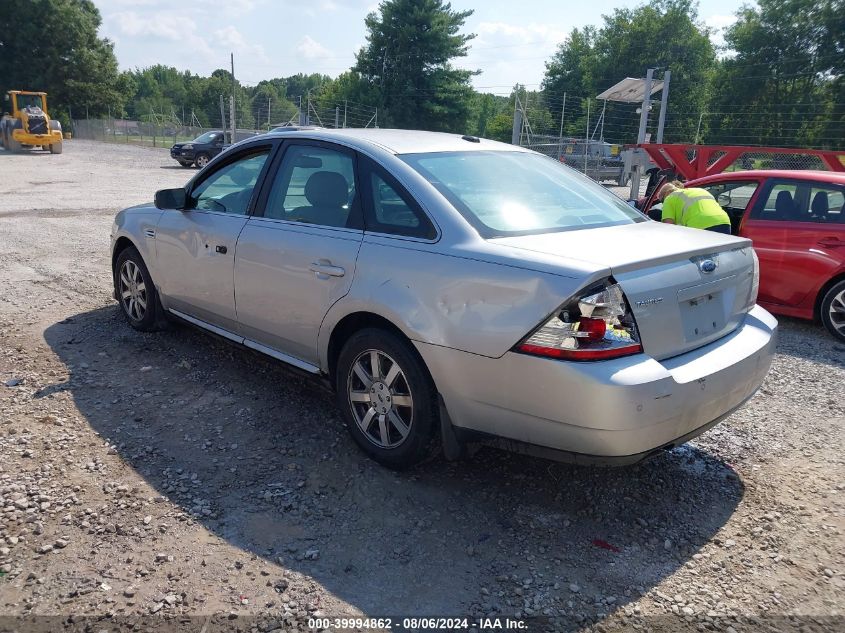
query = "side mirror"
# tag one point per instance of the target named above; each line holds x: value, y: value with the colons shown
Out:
x: 724, y: 199
x: 171, y: 199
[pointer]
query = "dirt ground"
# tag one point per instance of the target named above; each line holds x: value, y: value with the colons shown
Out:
x: 153, y: 477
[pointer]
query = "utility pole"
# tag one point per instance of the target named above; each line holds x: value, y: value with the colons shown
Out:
x: 344, y: 113
x: 336, y: 117
x: 232, y: 110
x: 269, y: 100
x: 664, y: 102
x: 635, y: 177
x: 301, y: 113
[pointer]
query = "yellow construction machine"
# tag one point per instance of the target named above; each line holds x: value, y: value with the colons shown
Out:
x: 26, y: 122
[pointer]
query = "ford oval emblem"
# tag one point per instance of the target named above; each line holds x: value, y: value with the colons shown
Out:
x: 707, y: 266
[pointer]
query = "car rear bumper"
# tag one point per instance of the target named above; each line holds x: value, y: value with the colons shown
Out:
x: 615, y: 410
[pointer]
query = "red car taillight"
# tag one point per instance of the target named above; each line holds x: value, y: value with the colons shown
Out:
x: 596, y: 326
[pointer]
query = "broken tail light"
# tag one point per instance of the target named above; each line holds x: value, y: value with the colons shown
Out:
x: 596, y: 326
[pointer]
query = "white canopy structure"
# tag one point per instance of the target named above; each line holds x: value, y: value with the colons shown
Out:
x: 629, y: 90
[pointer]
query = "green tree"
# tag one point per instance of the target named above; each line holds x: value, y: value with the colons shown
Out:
x: 410, y: 44
x: 52, y: 45
x: 784, y: 83
x: 661, y: 34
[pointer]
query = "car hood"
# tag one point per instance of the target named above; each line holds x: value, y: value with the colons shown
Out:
x: 626, y: 247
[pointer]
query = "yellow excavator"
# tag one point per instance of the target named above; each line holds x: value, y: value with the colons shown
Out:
x: 28, y: 123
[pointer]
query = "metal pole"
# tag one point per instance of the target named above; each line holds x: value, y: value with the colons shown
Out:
x: 516, y: 131
x: 344, y: 113
x: 223, y: 117
x: 232, y: 113
x: 587, y: 137
x: 232, y: 119
x: 603, y: 108
x: 336, y: 117
x: 301, y: 113
x: 635, y: 177
x: 698, y: 129
x: 664, y: 103
x: 560, y: 136
x: 269, y: 100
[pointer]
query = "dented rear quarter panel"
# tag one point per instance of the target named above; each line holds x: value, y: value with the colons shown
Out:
x: 457, y: 295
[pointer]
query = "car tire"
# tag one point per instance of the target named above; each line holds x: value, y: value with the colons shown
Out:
x: 833, y: 310
x: 395, y: 435
x: 135, y: 291
x: 185, y: 164
x: 201, y: 160
x: 56, y: 148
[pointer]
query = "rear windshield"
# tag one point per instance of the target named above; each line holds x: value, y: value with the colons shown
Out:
x: 517, y: 193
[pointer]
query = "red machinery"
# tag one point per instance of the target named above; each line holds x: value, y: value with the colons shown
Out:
x: 713, y: 159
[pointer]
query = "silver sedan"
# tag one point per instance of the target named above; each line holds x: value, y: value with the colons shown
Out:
x: 454, y: 291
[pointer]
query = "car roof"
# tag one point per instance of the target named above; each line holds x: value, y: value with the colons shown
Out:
x: 401, y: 141
x: 814, y: 175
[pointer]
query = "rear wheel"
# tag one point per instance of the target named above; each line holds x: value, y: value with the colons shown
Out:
x: 833, y: 310
x: 56, y: 148
x: 12, y: 145
x: 387, y: 398
x: 136, y: 291
x: 201, y: 160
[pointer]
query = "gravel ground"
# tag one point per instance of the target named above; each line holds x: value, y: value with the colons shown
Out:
x: 148, y: 478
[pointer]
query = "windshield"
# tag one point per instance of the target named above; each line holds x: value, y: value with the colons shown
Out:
x: 31, y: 101
x: 208, y: 137
x: 517, y: 193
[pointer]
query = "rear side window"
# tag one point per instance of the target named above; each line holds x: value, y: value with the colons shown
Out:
x: 390, y: 209
x: 803, y: 202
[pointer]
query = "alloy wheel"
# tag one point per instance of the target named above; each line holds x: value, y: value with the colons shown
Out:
x: 836, y: 312
x: 380, y: 398
x: 133, y: 290
x: 202, y: 161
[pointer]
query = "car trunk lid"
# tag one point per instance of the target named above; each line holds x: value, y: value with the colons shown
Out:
x: 686, y: 287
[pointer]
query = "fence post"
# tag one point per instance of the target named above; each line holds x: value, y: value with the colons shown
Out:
x: 664, y: 103
x: 336, y: 117
x: 635, y: 177
x: 516, y: 132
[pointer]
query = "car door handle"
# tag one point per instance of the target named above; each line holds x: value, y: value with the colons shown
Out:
x: 831, y: 242
x: 324, y: 269
x: 221, y: 249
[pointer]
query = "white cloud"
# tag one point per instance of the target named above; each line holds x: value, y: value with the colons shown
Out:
x: 229, y: 38
x: 310, y: 48
x: 508, y: 53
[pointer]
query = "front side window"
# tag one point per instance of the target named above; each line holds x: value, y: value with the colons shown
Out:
x: 314, y: 185
x: 229, y: 189
x: 513, y: 193
x: 734, y: 195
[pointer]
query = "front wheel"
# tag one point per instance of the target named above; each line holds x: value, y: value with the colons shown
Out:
x: 833, y: 310
x: 56, y: 148
x: 136, y: 291
x: 387, y: 398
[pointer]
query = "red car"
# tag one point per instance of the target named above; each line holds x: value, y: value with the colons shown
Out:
x: 796, y: 220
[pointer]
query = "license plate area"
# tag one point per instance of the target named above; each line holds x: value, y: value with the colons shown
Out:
x: 702, y: 315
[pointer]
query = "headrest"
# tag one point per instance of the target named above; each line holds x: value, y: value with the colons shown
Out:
x: 326, y: 189
x: 820, y: 205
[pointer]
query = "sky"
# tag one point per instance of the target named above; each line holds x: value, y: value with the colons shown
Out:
x: 278, y: 38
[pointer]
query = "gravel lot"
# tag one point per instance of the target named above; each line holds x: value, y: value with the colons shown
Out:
x: 145, y: 478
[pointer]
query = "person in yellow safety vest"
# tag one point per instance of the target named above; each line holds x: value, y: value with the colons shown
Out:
x: 692, y: 207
